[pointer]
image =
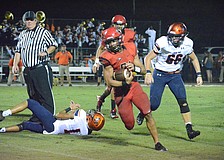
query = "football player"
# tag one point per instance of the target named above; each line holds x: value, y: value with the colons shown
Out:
x: 129, y: 91
x: 171, y: 50
x: 72, y: 120
x: 119, y: 22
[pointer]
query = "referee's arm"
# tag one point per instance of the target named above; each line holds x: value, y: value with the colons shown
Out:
x: 50, y: 50
x: 15, y: 68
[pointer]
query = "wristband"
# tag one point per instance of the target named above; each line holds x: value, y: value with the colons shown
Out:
x: 137, y: 69
x: 198, y: 74
x: 148, y: 72
x: 124, y: 83
x: 97, y: 60
x: 68, y: 109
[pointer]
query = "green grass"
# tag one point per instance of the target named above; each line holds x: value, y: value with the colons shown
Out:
x: 114, y: 141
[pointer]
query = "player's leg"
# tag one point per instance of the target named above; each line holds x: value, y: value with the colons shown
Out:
x: 178, y: 89
x: 113, y: 112
x: 27, y: 125
x: 102, y: 98
x: 45, y: 116
x: 151, y: 125
x: 23, y: 126
x: 156, y: 91
x: 18, y: 108
x: 125, y: 110
x: 141, y: 101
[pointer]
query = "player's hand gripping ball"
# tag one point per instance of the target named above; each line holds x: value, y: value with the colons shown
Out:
x: 122, y: 74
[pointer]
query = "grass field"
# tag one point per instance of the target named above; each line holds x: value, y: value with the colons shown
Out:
x: 114, y: 141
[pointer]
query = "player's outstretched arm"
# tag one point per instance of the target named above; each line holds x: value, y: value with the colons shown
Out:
x: 68, y: 113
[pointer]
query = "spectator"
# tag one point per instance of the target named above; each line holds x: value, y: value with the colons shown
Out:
x: 208, y: 63
x: 63, y: 58
x: 221, y: 62
x: 151, y: 37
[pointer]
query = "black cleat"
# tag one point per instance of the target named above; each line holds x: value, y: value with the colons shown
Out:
x: 113, y: 114
x: 192, y: 134
x: 160, y: 147
x: 1, y: 116
x: 140, y: 118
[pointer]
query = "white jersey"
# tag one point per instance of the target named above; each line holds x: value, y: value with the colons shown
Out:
x: 169, y: 58
x: 76, y: 126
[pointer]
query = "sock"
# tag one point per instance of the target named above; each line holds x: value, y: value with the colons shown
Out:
x: 189, y: 127
x: 2, y: 130
x: 112, y: 104
x: 6, y: 113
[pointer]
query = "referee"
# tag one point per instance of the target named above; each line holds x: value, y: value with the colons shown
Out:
x: 34, y: 46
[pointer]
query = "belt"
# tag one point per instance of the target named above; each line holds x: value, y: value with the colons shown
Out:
x: 173, y: 72
x: 37, y: 66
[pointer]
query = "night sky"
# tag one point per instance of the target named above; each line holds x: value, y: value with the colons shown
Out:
x: 204, y: 18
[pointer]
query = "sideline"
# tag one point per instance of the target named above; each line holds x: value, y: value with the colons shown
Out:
x: 94, y: 84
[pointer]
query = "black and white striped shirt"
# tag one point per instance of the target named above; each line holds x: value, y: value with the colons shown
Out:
x: 31, y: 43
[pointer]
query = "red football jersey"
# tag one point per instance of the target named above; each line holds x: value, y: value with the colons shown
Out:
x: 119, y: 59
x: 129, y: 35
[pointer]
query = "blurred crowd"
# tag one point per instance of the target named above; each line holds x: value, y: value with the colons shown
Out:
x: 84, y: 34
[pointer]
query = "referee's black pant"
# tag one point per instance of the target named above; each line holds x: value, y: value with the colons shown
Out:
x: 39, y: 80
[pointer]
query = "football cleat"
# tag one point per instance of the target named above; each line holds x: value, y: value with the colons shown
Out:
x: 160, y: 147
x: 113, y: 114
x: 1, y: 116
x: 191, y: 133
x: 140, y: 118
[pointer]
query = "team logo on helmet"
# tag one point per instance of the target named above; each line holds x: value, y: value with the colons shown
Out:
x: 95, y: 120
x: 176, y: 33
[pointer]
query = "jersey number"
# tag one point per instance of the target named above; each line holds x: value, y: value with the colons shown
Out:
x: 174, y: 58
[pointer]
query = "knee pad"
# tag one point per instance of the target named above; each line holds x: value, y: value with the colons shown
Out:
x: 183, y: 105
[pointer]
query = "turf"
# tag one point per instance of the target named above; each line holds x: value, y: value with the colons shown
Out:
x: 114, y: 141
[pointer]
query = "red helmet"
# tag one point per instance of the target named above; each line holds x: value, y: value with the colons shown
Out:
x: 176, y: 33
x: 112, y: 35
x: 118, y: 19
x: 119, y: 22
x: 95, y: 120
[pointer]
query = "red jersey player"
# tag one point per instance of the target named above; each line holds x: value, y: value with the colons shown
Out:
x: 119, y: 22
x: 127, y: 92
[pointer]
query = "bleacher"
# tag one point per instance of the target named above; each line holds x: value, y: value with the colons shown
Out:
x: 75, y: 72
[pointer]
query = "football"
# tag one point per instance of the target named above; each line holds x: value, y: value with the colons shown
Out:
x: 120, y: 75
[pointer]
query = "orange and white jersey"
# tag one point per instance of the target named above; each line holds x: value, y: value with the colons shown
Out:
x: 76, y: 126
x: 170, y: 58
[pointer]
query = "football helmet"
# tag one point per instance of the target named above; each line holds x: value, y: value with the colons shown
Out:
x: 176, y: 33
x: 95, y: 120
x: 112, y: 39
x: 119, y: 22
